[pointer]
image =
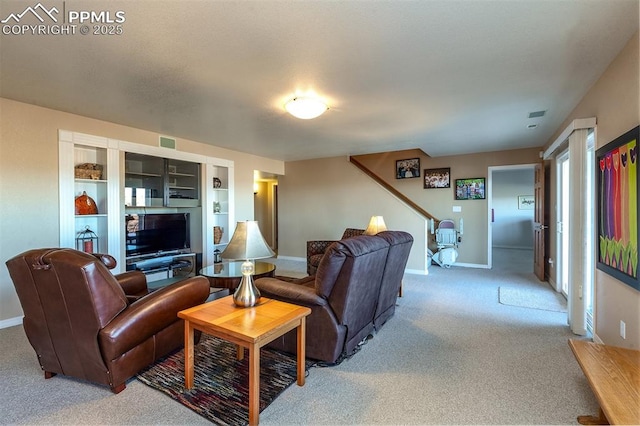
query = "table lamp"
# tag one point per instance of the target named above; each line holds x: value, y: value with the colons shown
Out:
x: 247, y: 243
x: 376, y: 224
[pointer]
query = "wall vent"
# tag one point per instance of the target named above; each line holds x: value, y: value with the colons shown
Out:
x: 537, y: 114
x: 167, y: 142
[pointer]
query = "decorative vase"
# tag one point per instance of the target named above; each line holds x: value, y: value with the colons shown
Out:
x: 217, y: 234
x: 85, y: 204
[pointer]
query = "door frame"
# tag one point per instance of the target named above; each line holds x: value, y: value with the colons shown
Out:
x: 489, y: 188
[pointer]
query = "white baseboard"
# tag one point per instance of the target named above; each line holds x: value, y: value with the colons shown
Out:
x: 299, y: 259
x: 417, y: 271
x: 471, y: 265
x: 11, y: 322
x: 597, y: 339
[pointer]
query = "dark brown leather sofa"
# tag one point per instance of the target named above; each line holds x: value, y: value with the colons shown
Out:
x: 317, y: 248
x: 343, y: 295
x: 83, y: 321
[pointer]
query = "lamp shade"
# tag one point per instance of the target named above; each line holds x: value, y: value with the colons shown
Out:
x: 247, y: 242
x: 376, y: 224
x: 305, y: 107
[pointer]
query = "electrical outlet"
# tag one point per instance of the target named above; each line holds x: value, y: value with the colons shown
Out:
x: 623, y: 330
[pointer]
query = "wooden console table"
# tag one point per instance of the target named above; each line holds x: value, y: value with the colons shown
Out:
x: 614, y: 376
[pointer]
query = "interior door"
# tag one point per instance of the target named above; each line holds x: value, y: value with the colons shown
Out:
x: 539, y: 226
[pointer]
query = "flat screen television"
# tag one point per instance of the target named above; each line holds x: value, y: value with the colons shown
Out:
x: 156, y: 233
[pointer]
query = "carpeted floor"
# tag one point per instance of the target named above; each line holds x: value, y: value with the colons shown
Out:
x: 451, y: 354
x: 220, y: 392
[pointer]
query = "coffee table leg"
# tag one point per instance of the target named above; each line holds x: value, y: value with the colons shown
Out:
x: 254, y: 384
x: 301, y: 351
x: 188, y: 355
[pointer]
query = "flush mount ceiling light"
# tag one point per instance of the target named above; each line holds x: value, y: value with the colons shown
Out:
x: 305, y: 107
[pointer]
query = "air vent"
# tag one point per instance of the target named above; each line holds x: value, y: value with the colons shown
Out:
x: 537, y: 114
x: 167, y: 142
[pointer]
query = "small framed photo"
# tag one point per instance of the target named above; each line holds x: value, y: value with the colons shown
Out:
x: 470, y: 189
x: 526, y: 202
x: 409, y: 168
x: 437, y: 178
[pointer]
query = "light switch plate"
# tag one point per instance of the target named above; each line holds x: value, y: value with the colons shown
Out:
x: 457, y: 209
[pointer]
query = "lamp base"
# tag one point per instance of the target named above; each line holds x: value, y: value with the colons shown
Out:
x: 247, y: 294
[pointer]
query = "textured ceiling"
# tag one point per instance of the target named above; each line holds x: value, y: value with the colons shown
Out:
x: 448, y: 77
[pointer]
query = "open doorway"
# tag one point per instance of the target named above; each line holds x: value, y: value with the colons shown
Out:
x: 511, y: 217
x: 265, y: 206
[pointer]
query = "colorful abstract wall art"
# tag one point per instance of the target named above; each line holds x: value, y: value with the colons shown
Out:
x: 617, y: 195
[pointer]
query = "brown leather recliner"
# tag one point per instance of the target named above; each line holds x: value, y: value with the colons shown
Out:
x: 342, y: 296
x: 317, y: 248
x: 84, y: 322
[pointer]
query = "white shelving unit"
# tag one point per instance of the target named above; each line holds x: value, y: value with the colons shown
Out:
x: 109, y: 192
x: 219, y: 205
x: 75, y: 149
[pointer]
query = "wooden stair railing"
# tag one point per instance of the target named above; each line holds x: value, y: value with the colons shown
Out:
x: 392, y: 190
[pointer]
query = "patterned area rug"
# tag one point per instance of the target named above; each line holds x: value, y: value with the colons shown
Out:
x: 221, y: 382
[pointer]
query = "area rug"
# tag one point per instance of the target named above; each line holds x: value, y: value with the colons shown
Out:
x: 221, y: 382
x: 533, y: 298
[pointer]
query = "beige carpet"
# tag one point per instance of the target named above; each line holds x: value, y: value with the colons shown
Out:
x: 533, y: 298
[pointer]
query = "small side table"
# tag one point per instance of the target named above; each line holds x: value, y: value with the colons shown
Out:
x: 249, y: 328
x: 229, y: 274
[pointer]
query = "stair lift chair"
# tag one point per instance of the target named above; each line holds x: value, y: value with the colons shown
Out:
x: 447, y: 238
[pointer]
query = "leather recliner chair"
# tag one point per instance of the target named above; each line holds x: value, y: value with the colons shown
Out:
x: 400, y: 243
x: 83, y: 321
x: 342, y: 295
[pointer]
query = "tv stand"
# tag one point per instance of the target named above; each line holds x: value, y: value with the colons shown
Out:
x: 164, y: 269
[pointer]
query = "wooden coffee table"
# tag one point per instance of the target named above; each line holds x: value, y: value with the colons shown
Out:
x: 229, y: 274
x: 249, y: 328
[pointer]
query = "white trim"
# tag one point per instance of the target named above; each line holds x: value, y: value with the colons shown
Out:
x: 299, y: 259
x: 11, y: 322
x: 472, y: 265
x: 416, y: 272
x: 577, y: 124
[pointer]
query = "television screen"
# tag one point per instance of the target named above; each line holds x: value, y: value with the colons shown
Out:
x: 156, y: 233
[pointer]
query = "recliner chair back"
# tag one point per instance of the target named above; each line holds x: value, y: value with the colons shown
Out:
x: 349, y: 278
x: 400, y: 244
x: 83, y: 296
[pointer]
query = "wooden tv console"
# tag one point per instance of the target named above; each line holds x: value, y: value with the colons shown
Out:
x: 614, y: 376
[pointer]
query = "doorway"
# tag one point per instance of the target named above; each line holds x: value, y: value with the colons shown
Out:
x: 265, y: 206
x: 511, y: 213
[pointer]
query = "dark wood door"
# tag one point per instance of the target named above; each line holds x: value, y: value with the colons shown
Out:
x: 539, y: 225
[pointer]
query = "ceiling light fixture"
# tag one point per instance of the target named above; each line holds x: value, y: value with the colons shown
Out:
x: 305, y: 107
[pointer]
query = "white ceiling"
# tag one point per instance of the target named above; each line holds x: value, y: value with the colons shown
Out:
x: 448, y: 77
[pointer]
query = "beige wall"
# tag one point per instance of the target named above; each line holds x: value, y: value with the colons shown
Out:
x: 29, y: 214
x: 440, y: 202
x: 613, y: 100
x: 319, y: 198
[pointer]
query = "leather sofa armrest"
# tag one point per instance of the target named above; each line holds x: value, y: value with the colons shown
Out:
x: 133, y: 283
x: 151, y: 314
x: 289, y: 292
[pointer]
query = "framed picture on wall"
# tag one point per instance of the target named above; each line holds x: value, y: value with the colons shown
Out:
x: 617, y: 186
x: 409, y: 168
x: 526, y: 202
x: 470, y: 189
x: 437, y: 178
